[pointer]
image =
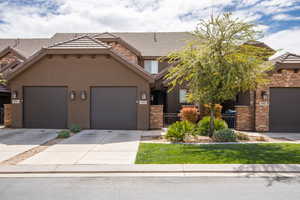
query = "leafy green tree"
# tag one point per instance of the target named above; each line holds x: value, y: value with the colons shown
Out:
x: 220, y: 62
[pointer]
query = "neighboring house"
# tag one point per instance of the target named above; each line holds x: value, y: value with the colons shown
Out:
x: 110, y: 81
x: 275, y: 106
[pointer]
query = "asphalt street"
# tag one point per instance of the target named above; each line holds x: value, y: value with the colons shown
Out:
x: 149, y: 188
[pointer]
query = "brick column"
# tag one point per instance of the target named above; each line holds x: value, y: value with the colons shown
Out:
x: 156, y: 116
x: 243, y: 118
x: 7, y: 115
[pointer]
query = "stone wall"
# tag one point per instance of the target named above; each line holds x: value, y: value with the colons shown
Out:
x: 156, y: 116
x: 283, y: 78
x: 243, y: 118
x: 124, y: 51
x: 7, y: 115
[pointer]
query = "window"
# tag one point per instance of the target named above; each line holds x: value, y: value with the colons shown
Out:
x: 151, y: 66
x: 182, y: 96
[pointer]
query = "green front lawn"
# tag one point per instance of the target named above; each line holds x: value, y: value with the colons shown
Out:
x: 218, y: 154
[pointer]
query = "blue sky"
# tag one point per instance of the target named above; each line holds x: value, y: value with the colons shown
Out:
x: 279, y: 19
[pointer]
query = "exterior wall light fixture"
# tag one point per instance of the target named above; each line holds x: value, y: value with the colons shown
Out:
x: 14, y: 94
x: 72, y: 95
x: 83, y: 95
x: 143, y: 96
x: 264, y: 95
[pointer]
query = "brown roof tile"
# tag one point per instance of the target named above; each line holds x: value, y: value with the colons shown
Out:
x: 82, y: 42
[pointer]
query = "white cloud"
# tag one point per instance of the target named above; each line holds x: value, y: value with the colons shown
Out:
x: 104, y: 15
x: 286, y: 40
x: 284, y: 17
x: 138, y: 15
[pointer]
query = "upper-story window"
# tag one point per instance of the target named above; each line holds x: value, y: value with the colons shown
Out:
x: 151, y: 66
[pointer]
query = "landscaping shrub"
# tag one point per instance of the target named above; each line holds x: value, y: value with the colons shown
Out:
x: 63, y: 134
x: 189, y: 114
x: 203, y: 126
x: 218, y: 110
x: 75, y: 128
x: 177, y: 131
x: 224, y: 135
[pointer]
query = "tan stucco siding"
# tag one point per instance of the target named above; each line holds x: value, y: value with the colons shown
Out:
x: 80, y: 73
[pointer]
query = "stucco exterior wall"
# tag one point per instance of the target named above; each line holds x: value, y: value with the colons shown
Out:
x: 79, y: 73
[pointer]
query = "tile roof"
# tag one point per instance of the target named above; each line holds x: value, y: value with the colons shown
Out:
x: 82, y: 42
x: 148, y: 43
x: 26, y: 47
x: 105, y: 35
x: 287, y: 58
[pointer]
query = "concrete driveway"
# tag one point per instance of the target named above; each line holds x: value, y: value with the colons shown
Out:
x: 290, y: 136
x: 91, y: 147
x: 16, y: 141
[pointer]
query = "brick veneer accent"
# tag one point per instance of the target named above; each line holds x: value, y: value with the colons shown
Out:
x: 156, y: 116
x: 124, y: 51
x: 7, y: 115
x: 287, y: 78
x: 243, y: 118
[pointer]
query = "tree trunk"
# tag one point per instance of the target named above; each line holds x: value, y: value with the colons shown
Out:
x: 212, y: 119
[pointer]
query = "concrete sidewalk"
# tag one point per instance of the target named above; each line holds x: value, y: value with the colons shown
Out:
x: 153, y: 168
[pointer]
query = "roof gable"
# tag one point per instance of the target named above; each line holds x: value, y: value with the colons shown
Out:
x: 287, y: 58
x: 83, y: 42
x: 9, y: 49
x: 68, y: 47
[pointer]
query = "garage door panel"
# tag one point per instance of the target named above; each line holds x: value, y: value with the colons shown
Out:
x: 284, y: 109
x: 45, y: 107
x: 113, y: 108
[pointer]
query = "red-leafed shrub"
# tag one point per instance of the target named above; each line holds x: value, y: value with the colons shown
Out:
x: 190, y: 114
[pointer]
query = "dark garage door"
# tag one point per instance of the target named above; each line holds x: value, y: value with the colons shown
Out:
x: 113, y: 108
x: 45, y: 107
x: 285, y: 109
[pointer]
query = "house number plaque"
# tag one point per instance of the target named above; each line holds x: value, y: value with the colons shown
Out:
x: 15, y: 101
x: 143, y: 102
x: 264, y: 103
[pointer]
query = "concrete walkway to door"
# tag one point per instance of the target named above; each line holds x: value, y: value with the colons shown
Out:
x: 92, y: 147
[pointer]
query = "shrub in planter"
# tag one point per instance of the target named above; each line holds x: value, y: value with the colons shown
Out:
x: 218, y: 110
x: 189, y: 114
x: 177, y: 131
x: 203, y: 126
x: 224, y: 135
x: 63, y: 134
x: 75, y: 128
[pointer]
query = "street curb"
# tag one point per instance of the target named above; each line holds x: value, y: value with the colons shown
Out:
x: 151, y: 168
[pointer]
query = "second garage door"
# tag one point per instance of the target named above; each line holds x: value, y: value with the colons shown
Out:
x: 114, y: 108
x: 45, y: 107
x: 285, y: 109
